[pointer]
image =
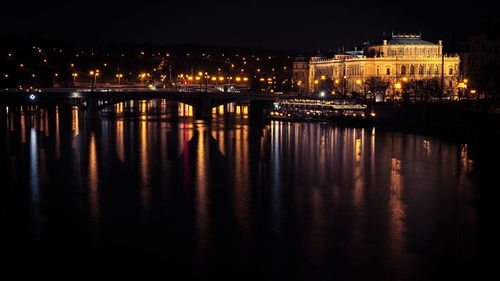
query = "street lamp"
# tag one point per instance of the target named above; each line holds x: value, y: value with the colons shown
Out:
x: 206, y: 82
x: 360, y: 83
x: 94, y: 74
x: 142, y: 76
x: 119, y: 76
x: 462, y: 86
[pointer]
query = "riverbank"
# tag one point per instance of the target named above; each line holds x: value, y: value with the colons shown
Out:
x: 438, y: 119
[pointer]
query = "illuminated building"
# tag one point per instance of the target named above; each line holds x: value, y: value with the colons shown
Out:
x: 397, y: 60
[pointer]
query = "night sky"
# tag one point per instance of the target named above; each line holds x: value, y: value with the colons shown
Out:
x: 281, y: 25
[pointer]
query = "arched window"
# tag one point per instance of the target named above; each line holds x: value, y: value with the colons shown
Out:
x: 436, y: 69
x: 403, y: 70
x: 412, y: 70
x: 420, y: 70
x: 429, y: 69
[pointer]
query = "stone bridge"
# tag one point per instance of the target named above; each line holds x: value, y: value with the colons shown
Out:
x: 93, y: 100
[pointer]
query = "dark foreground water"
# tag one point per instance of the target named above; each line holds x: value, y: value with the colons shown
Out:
x: 156, y: 197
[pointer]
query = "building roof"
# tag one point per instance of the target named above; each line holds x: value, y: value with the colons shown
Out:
x: 319, y: 56
x: 300, y: 58
x: 403, y: 39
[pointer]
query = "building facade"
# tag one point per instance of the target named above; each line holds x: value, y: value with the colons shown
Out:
x: 397, y: 60
x: 301, y: 74
x: 481, y: 64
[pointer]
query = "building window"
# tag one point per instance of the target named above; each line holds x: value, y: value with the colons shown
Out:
x: 429, y: 68
x: 450, y: 72
x: 436, y: 70
x: 412, y: 70
x: 388, y: 71
x: 420, y: 70
x: 403, y: 70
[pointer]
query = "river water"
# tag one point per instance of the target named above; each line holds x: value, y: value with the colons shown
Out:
x: 147, y: 191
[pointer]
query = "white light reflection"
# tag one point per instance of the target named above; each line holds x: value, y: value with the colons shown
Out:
x: 34, y: 182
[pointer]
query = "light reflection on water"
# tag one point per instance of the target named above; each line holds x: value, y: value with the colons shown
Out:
x: 272, y: 200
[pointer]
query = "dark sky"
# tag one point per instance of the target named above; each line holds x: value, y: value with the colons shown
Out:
x: 278, y: 24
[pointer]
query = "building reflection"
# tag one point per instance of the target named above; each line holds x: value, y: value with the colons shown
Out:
x: 93, y: 180
x: 396, y: 208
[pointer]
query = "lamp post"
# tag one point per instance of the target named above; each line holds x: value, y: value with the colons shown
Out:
x: 360, y: 83
x: 397, y: 87
x: 94, y: 74
x: 119, y: 76
x: 404, y: 89
x: 229, y: 83
x: 206, y: 82
x: 462, y: 86
x: 142, y: 76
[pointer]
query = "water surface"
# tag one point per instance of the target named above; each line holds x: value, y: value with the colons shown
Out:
x: 150, y: 193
